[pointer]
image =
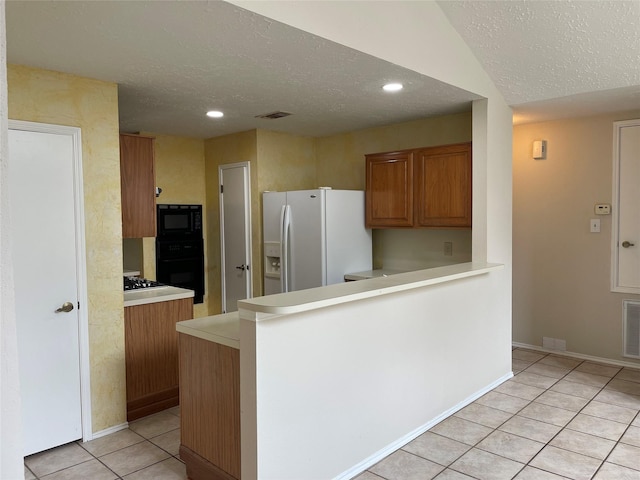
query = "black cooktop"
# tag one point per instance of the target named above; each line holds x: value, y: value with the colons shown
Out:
x: 134, y: 283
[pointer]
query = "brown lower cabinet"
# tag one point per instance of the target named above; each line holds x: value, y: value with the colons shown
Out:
x: 209, y: 409
x: 151, y: 355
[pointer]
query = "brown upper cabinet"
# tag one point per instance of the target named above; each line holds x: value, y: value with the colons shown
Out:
x: 424, y: 187
x: 138, y: 184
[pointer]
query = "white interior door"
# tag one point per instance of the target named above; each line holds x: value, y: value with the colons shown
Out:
x: 626, y: 208
x: 44, y: 243
x: 235, y: 234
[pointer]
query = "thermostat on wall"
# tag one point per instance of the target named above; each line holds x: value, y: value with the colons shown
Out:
x: 602, y: 209
x: 540, y: 149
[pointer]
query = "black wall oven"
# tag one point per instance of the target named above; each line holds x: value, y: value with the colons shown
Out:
x: 180, y: 248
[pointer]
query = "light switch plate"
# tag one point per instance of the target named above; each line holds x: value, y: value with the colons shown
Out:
x: 595, y: 225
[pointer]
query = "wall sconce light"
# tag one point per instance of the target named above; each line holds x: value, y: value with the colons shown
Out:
x: 539, y: 149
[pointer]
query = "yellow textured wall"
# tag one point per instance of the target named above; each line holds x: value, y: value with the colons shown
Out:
x: 340, y: 158
x: 180, y: 172
x: 57, y: 98
x: 561, y: 271
x: 235, y: 148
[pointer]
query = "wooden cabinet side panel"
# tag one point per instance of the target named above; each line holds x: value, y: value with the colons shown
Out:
x: 151, y: 346
x: 137, y: 181
x: 389, y: 190
x: 443, y: 184
x: 210, y: 402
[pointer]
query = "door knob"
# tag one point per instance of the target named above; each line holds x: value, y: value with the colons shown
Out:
x: 241, y: 267
x: 627, y: 244
x: 66, y: 307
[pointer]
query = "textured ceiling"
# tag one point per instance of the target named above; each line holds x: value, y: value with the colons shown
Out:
x: 174, y: 60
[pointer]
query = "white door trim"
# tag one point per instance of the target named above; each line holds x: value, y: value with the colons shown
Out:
x: 248, y: 234
x: 83, y: 317
x: 615, y: 206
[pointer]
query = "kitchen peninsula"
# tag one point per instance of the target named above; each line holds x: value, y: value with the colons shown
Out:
x: 332, y: 379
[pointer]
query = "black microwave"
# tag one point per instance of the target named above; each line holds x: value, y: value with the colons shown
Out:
x: 179, y: 221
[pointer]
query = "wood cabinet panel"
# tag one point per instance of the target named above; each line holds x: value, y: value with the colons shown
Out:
x: 138, y: 183
x: 427, y: 187
x: 151, y: 355
x: 209, y: 408
x: 443, y: 186
x: 389, y: 198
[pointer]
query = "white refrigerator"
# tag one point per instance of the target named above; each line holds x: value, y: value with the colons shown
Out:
x: 312, y: 238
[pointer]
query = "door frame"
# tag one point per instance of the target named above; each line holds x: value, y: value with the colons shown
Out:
x: 248, y: 234
x: 615, y: 207
x: 81, y: 264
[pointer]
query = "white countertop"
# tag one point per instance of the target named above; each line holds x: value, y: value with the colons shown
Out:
x: 142, y: 296
x: 313, y: 298
x: 381, y: 272
x: 128, y: 272
x: 223, y: 329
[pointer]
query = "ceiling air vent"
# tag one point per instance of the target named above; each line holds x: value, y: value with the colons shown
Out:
x: 274, y: 115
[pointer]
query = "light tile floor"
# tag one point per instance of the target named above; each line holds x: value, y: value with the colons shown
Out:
x: 558, y: 418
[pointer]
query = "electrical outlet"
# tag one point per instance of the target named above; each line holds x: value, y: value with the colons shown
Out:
x: 448, y: 249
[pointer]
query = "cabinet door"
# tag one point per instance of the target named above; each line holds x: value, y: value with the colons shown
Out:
x: 389, y: 192
x: 443, y: 186
x: 137, y: 179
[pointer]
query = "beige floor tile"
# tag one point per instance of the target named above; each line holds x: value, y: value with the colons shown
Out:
x: 28, y: 474
x: 174, y: 411
x: 133, y: 458
x: 624, y: 386
x: 626, y: 456
x: 535, y: 380
x: 438, y: 449
x: 547, y: 414
x: 630, y: 374
x: 565, y: 463
x: 583, y: 443
x: 577, y: 389
x: 519, y: 365
x: 610, y: 471
x: 631, y: 436
x: 169, y: 469
x: 610, y: 412
x: 57, y: 459
x: 110, y: 443
x: 598, y: 427
x: 531, y: 473
x: 367, y: 476
x: 486, y: 466
x: 510, y: 446
x: 92, y: 469
x: 531, y: 429
x: 548, y: 370
x: 155, y: 425
x: 619, y: 398
x: 504, y: 402
x: 487, y: 416
x: 461, y: 430
x: 449, y: 474
x: 587, y: 378
x: 527, y: 355
x: 560, y: 361
x: 562, y: 400
x: 636, y: 422
x: 401, y: 465
x: 520, y: 390
x: 598, y: 369
x: 169, y: 442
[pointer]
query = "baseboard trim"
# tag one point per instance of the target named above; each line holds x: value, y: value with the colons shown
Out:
x: 607, y: 361
x: 108, y: 431
x: 392, y: 447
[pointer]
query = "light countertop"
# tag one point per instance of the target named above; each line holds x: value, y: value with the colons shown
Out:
x: 143, y: 296
x: 381, y: 272
x: 313, y: 298
x: 223, y: 329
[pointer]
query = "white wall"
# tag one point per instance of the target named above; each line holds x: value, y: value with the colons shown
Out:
x: 339, y: 388
x: 10, y: 426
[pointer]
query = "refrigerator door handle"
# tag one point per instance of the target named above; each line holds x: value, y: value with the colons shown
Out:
x: 285, y: 221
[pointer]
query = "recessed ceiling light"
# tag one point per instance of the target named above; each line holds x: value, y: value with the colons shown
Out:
x: 215, y: 114
x: 392, y: 87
